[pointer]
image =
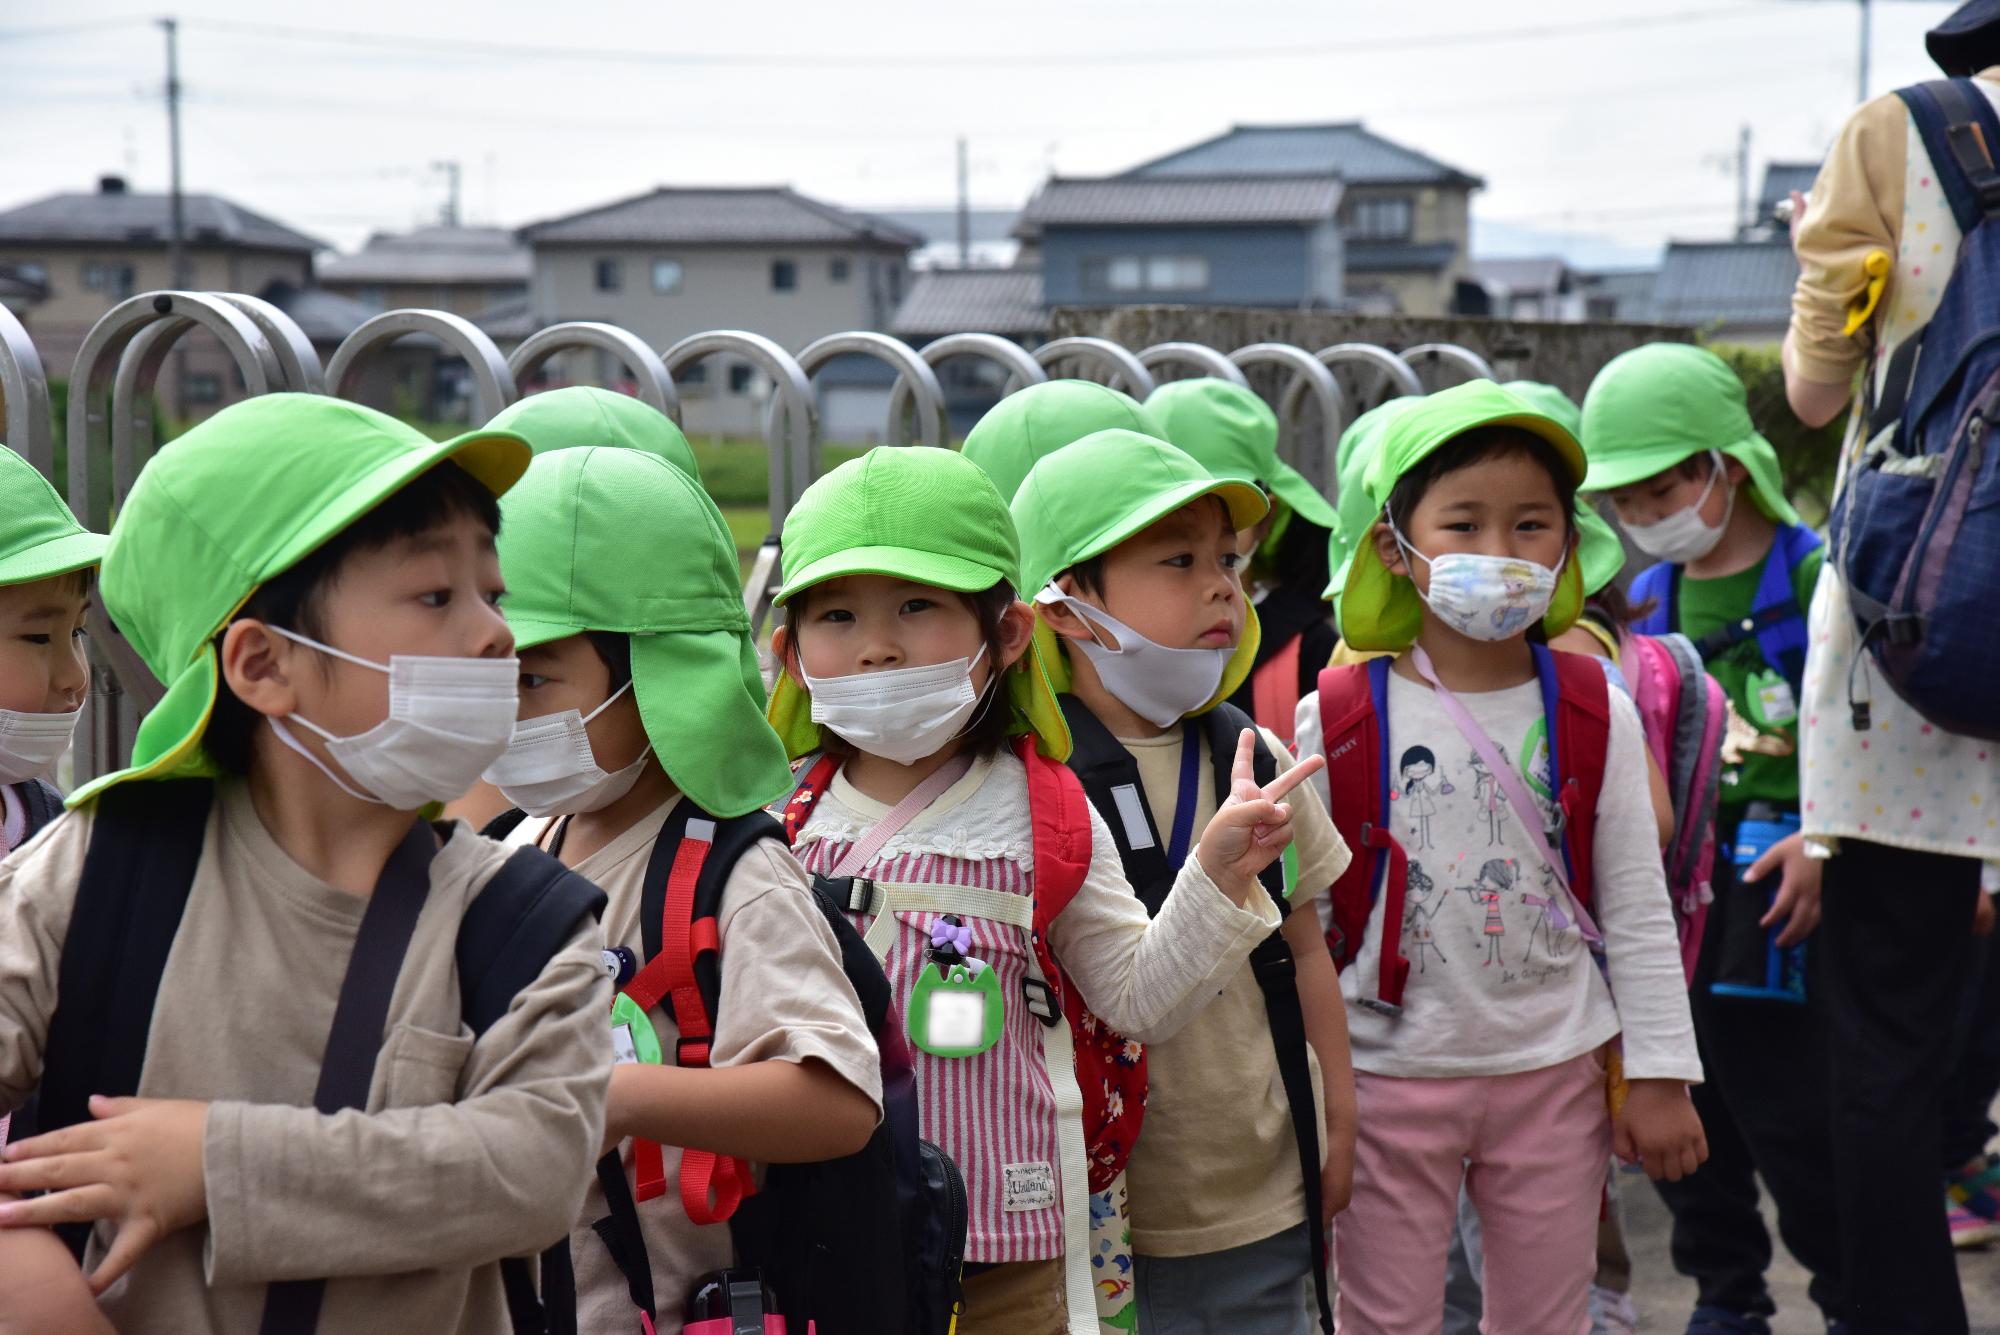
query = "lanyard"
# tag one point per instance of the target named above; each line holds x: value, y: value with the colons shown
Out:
x: 1183, y: 832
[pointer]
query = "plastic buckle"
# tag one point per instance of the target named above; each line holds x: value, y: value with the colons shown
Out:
x: 1380, y: 1007
x: 692, y: 1052
x: 1041, y: 1001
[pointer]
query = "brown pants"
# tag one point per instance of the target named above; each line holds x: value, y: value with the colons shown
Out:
x: 1016, y: 1298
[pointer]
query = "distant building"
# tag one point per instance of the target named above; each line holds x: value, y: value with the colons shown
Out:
x: 464, y: 270
x: 1734, y: 291
x: 90, y: 251
x: 678, y: 261
x: 990, y: 236
x: 1007, y: 302
x: 1622, y: 294
x: 1538, y: 288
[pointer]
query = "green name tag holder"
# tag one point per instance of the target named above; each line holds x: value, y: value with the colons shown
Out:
x: 632, y: 1036
x: 956, y: 1009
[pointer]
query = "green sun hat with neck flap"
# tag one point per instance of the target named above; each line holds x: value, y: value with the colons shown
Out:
x: 1655, y: 406
x: 1382, y: 611
x: 1086, y: 498
x: 922, y: 514
x: 1598, y: 550
x: 562, y: 419
x: 1355, y: 516
x: 608, y: 538
x: 1233, y: 433
x: 39, y: 537
x: 239, y: 499
x: 1040, y: 419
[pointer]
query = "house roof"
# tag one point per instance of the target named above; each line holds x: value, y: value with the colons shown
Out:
x: 952, y: 301
x: 1631, y: 290
x: 1398, y: 256
x: 1780, y: 179
x: 115, y: 217
x: 1113, y: 201
x: 489, y: 255
x: 720, y: 215
x: 1545, y: 273
x: 1734, y: 282
x: 1341, y: 148
x: 324, y: 317
x: 508, y: 321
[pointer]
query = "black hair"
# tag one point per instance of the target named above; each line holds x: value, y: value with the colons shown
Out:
x: 987, y: 732
x: 1417, y: 755
x: 295, y: 599
x: 1476, y: 447
x: 614, y: 650
x: 1089, y: 572
x: 1300, y: 560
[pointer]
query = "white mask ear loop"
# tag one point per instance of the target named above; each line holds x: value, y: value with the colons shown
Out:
x: 284, y: 735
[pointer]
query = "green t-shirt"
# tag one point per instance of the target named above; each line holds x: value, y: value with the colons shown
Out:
x: 1709, y: 604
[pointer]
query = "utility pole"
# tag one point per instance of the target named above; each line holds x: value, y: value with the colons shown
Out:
x: 1743, y: 219
x: 177, y: 264
x: 964, y: 210
x: 1867, y: 29
x: 448, y: 215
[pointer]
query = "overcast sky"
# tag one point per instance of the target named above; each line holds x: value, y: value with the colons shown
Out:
x: 1612, y: 123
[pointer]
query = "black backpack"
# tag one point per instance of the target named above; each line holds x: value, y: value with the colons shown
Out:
x: 137, y: 875
x: 869, y: 1244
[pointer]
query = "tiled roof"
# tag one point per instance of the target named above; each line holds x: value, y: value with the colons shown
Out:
x: 755, y: 215
x: 1124, y: 201
x: 1735, y: 282
x: 325, y: 317
x: 1780, y: 179
x: 120, y: 218
x: 1537, y: 274
x: 1396, y: 256
x: 1344, y: 149
x: 488, y: 255
x: 953, y: 301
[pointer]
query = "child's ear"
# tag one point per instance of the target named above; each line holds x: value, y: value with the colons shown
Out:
x: 1017, y: 628
x: 1061, y: 619
x: 784, y: 650
x: 1389, y: 550
x: 1733, y: 471
x: 255, y: 663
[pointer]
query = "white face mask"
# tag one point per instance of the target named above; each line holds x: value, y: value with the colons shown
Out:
x: 900, y: 714
x: 1485, y: 597
x: 449, y: 718
x: 549, y: 768
x: 1159, y: 684
x: 31, y: 744
x: 1681, y: 537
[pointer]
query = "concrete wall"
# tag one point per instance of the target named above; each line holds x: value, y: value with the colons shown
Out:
x: 458, y: 298
x: 1247, y: 266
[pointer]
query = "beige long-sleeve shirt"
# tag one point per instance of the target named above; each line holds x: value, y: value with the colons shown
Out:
x: 467, y: 1150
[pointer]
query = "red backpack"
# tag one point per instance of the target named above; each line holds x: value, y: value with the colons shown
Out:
x: 1354, y: 714
x: 1110, y: 1068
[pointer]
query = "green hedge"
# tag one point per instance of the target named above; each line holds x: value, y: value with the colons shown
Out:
x: 1806, y: 454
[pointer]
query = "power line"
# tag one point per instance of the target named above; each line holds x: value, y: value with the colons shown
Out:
x: 71, y: 29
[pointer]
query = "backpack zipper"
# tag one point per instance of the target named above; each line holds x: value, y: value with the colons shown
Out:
x: 1972, y: 446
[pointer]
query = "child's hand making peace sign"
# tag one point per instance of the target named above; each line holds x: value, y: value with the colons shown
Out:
x: 1252, y: 829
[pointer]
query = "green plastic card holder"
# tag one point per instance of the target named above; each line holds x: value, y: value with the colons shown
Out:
x: 957, y: 1011
x: 632, y: 1036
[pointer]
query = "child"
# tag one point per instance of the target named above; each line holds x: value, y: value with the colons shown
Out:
x: 1131, y: 546
x: 1041, y: 419
x: 1693, y: 485
x: 47, y: 569
x: 273, y: 566
x: 1233, y: 433
x: 906, y: 645
x: 640, y: 698
x: 1480, y: 1069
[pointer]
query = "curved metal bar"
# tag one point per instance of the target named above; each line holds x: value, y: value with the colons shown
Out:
x: 1368, y: 374
x: 296, y: 355
x: 131, y: 420
x: 493, y: 383
x: 25, y: 386
x: 1315, y: 463
x: 1022, y: 367
x: 649, y: 373
x: 1126, y: 371
x: 1435, y: 356
x: 1206, y: 361
x: 911, y: 369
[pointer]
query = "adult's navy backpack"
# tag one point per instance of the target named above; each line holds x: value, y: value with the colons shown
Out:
x: 1915, y: 530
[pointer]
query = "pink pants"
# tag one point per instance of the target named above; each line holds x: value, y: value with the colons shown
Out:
x: 1531, y: 1150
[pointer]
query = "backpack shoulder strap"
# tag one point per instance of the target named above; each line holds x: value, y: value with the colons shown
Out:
x: 814, y: 776
x: 1962, y: 136
x: 41, y: 803
x: 1222, y: 725
x: 1274, y: 689
x: 1655, y: 583
x: 1354, y: 724
x: 513, y: 928
x: 1577, y: 699
x: 1059, y: 813
x: 503, y: 824
x: 1110, y: 778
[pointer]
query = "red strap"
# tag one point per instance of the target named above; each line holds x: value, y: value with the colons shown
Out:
x: 1350, y: 742
x: 1274, y: 691
x: 713, y: 1185
x: 1583, y: 740
x: 812, y: 786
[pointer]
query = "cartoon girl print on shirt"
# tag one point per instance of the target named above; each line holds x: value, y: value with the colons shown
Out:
x: 1486, y: 793
x: 1550, y: 921
x: 1418, y: 767
x: 1496, y: 878
x: 1417, y: 919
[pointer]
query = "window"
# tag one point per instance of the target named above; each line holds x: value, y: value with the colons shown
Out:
x: 741, y: 375
x: 202, y: 389
x: 784, y: 275
x: 610, y: 275
x: 117, y: 281
x: 837, y: 269
x: 666, y: 276
x: 1385, y: 218
x: 93, y: 275
x: 1176, y: 273
x: 1146, y: 273
x: 895, y: 284
x: 693, y: 375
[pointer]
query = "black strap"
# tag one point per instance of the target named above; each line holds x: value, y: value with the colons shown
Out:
x: 41, y: 804
x: 619, y: 1231
x: 520, y: 918
x: 1726, y: 637
x: 360, y: 1017
x: 1277, y: 976
x: 1103, y: 765
x: 504, y: 824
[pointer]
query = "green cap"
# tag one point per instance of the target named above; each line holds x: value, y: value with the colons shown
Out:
x: 1599, y: 552
x: 1379, y: 610
x: 39, y: 537
x: 1356, y: 516
x: 238, y: 500
x: 1039, y: 420
x: 561, y: 419
x: 1234, y: 433
x: 615, y: 539
x: 1660, y: 404
x: 915, y: 513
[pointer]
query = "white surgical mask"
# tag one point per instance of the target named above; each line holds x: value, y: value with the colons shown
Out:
x: 449, y: 718
x: 1485, y: 597
x: 1681, y: 537
x: 1159, y: 684
x: 31, y: 744
x: 900, y: 714
x: 549, y: 768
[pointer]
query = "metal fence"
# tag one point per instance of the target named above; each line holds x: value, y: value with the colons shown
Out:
x: 109, y: 431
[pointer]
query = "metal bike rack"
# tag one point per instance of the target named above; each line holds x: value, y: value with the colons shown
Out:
x: 649, y: 373
x: 791, y: 440
x: 1126, y: 371
x: 493, y: 383
x: 1021, y: 365
x: 1206, y: 361
x: 297, y: 357
x: 912, y: 371
x: 1436, y: 363
x: 1316, y: 462
x: 26, y: 387
x: 1368, y: 375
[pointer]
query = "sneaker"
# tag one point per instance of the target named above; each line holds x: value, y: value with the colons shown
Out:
x: 1721, y: 1321
x: 1967, y: 1228
x: 1611, y: 1312
x: 1972, y: 1202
